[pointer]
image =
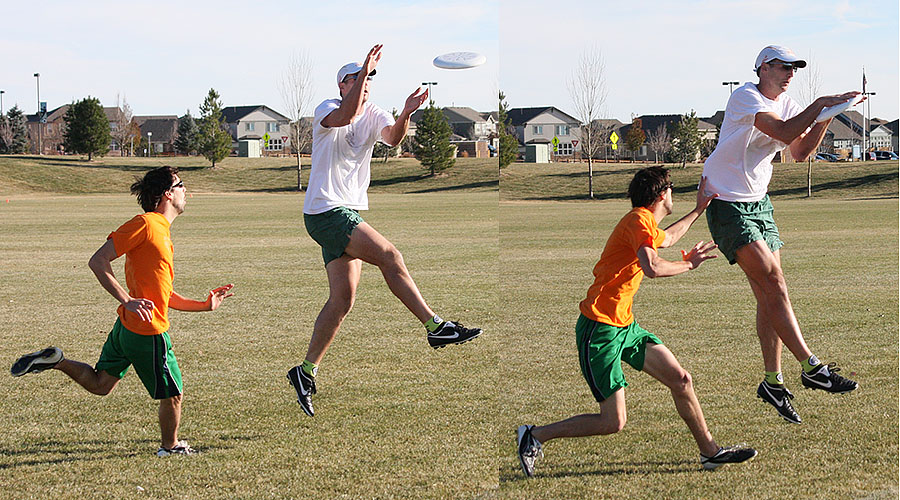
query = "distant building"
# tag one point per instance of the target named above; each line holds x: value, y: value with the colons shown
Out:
x: 254, y: 122
x: 541, y: 125
x: 50, y: 133
x: 464, y: 122
x: 162, y: 130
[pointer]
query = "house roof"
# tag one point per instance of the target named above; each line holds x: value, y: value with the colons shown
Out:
x: 164, y: 128
x: 840, y: 130
x: 521, y: 116
x: 234, y: 114
x: 892, y: 126
x: 453, y: 115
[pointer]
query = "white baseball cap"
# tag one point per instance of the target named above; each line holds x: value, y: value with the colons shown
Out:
x: 350, y: 69
x: 773, y: 52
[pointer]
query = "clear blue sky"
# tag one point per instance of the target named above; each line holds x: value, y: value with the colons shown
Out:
x: 667, y: 57
x: 661, y: 56
x: 165, y: 55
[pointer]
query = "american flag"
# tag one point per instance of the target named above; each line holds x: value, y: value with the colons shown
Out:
x: 864, y: 80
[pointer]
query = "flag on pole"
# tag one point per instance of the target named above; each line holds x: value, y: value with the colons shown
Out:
x: 864, y: 80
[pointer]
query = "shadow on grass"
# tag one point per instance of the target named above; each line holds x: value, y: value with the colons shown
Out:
x: 610, y: 469
x: 398, y: 180
x: 472, y: 185
x: 855, y: 182
x: 106, y: 164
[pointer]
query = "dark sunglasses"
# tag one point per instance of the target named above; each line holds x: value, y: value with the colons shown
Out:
x: 354, y: 77
x: 179, y: 184
x: 785, y: 65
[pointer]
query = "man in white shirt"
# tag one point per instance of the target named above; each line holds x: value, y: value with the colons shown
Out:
x: 344, y: 134
x: 761, y: 120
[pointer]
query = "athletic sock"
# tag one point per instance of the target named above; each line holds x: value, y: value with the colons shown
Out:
x: 309, y: 368
x: 774, y: 378
x: 811, y: 364
x: 433, y: 324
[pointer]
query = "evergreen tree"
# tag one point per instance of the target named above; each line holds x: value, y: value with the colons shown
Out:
x: 433, y: 148
x: 509, y: 145
x: 213, y: 142
x: 87, y: 128
x: 18, y: 125
x: 186, y: 142
x: 635, y: 137
x: 686, y: 139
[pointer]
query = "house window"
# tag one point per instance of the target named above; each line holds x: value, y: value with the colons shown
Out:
x: 275, y: 145
x: 537, y: 129
x: 249, y: 126
x: 565, y: 149
x: 272, y: 127
x: 562, y: 130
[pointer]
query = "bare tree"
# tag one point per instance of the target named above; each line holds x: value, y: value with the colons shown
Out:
x: 808, y: 87
x: 296, y: 92
x: 6, y: 134
x: 659, y: 141
x: 122, y: 132
x: 587, y: 87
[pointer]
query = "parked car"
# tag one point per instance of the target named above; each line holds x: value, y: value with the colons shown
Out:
x: 885, y: 155
x: 826, y: 157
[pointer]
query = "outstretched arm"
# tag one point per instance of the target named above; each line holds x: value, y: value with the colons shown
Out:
x: 789, y: 131
x: 212, y: 302
x: 394, y: 134
x: 352, y: 103
x: 101, y: 264
x: 677, y: 230
x: 655, y: 266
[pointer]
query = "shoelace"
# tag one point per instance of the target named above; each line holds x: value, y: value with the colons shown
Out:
x: 833, y: 369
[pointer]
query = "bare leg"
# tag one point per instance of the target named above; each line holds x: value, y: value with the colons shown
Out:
x: 169, y: 419
x: 769, y: 342
x: 100, y: 383
x: 610, y: 420
x: 661, y: 364
x: 369, y: 245
x: 763, y: 268
x: 343, y: 278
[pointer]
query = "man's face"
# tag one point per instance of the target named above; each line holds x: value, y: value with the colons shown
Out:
x: 778, y: 72
x: 350, y: 80
x: 179, y: 194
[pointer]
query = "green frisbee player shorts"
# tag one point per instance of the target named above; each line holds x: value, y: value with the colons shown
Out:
x: 152, y: 356
x: 734, y: 224
x: 331, y: 230
x: 601, y: 350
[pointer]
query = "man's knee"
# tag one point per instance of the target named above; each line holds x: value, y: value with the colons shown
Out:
x: 172, y: 402
x: 613, y: 423
x: 341, y: 303
x: 681, y: 383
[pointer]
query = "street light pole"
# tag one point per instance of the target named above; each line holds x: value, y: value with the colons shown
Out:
x: 430, y: 95
x: 1, y: 101
x: 731, y: 86
x: 867, y: 120
x: 38, y: 114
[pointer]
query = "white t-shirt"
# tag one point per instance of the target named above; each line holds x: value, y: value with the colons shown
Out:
x: 341, y: 157
x: 741, y: 166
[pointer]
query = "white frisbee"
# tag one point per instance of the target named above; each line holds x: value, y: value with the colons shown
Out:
x: 838, y: 109
x: 459, y: 60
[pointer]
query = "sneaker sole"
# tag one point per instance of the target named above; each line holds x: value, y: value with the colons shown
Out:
x: 716, y: 465
x: 456, y: 343
x: 291, y: 382
x: 817, y: 388
x: 779, y: 413
x: 28, y: 368
x: 519, y: 434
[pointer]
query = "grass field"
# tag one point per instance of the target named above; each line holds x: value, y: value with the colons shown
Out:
x: 841, y: 265
x: 395, y: 419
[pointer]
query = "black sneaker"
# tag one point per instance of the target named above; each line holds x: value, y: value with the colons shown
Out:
x: 305, y: 387
x: 779, y: 397
x: 826, y: 379
x: 731, y: 455
x: 37, y: 361
x: 529, y: 449
x: 451, y: 333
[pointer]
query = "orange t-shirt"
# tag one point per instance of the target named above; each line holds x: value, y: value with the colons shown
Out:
x: 618, y: 273
x: 149, y: 269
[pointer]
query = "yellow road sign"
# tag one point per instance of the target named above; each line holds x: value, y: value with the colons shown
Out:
x: 614, y: 138
x: 266, y: 138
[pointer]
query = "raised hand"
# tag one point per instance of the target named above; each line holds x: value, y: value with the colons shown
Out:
x: 217, y: 295
x: 415, y: 100
x: 371, y: 60
x: 699, y: 253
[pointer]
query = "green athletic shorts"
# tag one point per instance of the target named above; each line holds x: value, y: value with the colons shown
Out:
x: 601, y: 350
x: 332, y: 229
x: 152, y: 357
x: 734, y: 224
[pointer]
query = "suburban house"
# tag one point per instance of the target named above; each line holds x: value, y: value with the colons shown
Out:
x: 50, y: 132
x: 464, y: 122
x: 892, y: 126
x: 258, y: 122
x: 546, y: 125
x: 161, y: 130
x: 650, y: 125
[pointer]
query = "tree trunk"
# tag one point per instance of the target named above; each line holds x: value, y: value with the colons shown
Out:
x: 809, y: 178
x: 299, y: 182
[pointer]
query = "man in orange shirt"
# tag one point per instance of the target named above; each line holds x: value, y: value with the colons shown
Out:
x: 140, y: 335
x: 607, y: 334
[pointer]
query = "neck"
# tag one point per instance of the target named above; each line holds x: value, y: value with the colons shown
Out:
x: 771, y: 91
x: 658, y: 210
x: 167, y: 211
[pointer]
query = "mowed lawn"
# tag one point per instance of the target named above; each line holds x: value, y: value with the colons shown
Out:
x: 840, y: 260
x: 394, y: 418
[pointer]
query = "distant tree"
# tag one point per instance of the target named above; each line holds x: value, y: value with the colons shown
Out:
x: 635, y: 137
x: 122, y: 132
x: 659, y: 141
x: 5, y: 135
x: 188, y: 134
x: 433, y: 148
x: 213, y: 142
x: 808, y: 88
x: 18, y: 131
x: 87, y: 128
x: 587, y: 87
x: 296, y: 92
x: 686, y: 138
x: 509, y: 145
x: 384, y: 151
